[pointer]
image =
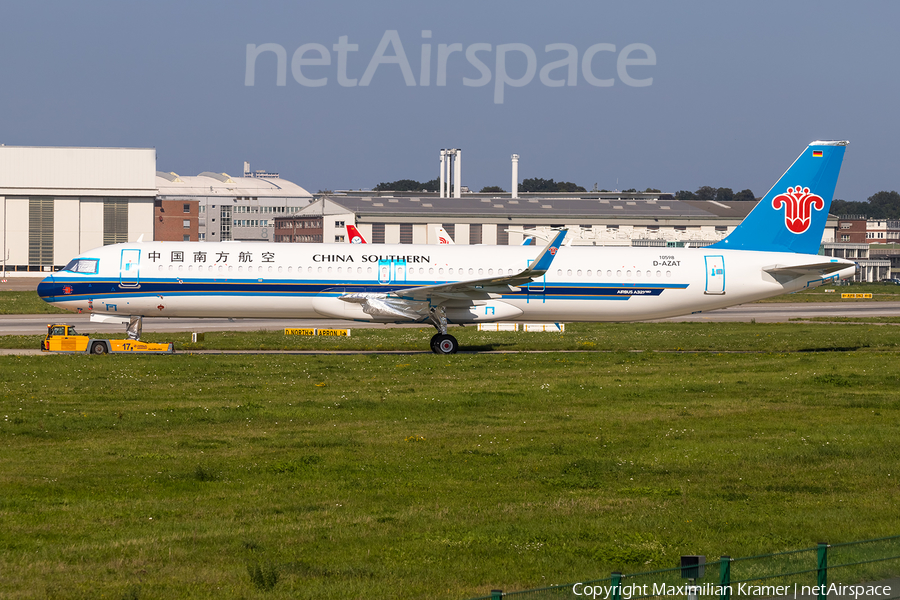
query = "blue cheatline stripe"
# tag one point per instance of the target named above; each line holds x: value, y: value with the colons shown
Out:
x: 86, y: 290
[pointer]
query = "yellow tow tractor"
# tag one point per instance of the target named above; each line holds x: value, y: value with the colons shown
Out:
x: 63, y: 338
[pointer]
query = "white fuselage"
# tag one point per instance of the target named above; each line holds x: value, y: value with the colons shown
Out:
x: 583, y: 283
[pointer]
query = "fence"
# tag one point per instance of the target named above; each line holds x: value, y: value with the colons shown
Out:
x: 795, y: 573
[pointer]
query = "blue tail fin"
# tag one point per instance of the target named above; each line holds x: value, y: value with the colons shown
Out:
x: 791, y: 217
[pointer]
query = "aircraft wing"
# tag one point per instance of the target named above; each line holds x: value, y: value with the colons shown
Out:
x: 416, y: 303
x: 486, y: 286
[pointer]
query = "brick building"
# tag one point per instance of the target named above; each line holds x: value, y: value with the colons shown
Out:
x: 176, y: 220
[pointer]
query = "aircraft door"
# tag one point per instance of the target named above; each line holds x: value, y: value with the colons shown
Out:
x: 384, y: 271
x: 537, y: 288
x: 130, y: 268
x: 715, y: 274
x: 390, y: 271
x: 400, y: 270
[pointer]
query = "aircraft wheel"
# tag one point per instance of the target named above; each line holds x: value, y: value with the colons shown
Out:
x: 445, y: 344
x: 434, y: 341
x: 98, y: 348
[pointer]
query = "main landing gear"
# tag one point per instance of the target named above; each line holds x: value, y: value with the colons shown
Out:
x: 442, y: 342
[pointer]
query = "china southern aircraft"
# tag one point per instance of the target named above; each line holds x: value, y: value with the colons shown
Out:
x: 773, y: 251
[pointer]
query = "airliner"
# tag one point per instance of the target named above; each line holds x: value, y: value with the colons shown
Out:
x: 772, y: 251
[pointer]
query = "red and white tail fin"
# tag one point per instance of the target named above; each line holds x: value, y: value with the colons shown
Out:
x: 442, y: 237
x: 354, y: 236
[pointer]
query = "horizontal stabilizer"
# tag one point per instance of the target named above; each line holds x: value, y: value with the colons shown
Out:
x: 820, y: 268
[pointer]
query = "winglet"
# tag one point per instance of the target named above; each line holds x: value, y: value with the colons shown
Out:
x: 542, y: 263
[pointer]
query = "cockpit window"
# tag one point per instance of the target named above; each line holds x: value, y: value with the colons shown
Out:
x: 82, y: 265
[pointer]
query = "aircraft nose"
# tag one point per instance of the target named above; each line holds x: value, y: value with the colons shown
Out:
x: 46, y: 287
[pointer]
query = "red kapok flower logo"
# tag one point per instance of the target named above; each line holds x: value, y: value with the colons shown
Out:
x: 798, y: 204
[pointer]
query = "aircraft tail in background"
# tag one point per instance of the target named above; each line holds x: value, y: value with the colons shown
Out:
x: 442, y: 237
x: 791, y: 217
x: 354, y: 236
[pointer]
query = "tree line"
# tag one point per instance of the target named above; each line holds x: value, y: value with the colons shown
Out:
x: 539, y: 185
x: 881, y: 205
x: 535, y: 184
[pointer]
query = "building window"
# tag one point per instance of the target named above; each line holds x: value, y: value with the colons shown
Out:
x: 40, y: 230
x: 115, y: 221
x: 502, y: 235
x: 186, y: 209
x: 377, y: 233
x: 186, y: 238
x: 845, y: 238
x: 186, y: 223
x: 339, y: 224
x: 406, y: 233
x: 475, y: 233
x: 225, y: 224
x: 339, y: 238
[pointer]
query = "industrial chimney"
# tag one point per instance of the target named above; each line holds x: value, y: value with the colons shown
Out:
x: 515, y: 176
x: 448, y: 158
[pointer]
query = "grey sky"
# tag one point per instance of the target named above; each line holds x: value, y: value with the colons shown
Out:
x: 738, y: 89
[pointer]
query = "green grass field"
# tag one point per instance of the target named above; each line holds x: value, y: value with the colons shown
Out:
x: 26, y: 303
x: 617, y: 337
x: 422, y: 476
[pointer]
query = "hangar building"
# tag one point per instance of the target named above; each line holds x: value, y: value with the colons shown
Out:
x: 593, y: 218
x: 59, y: 202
